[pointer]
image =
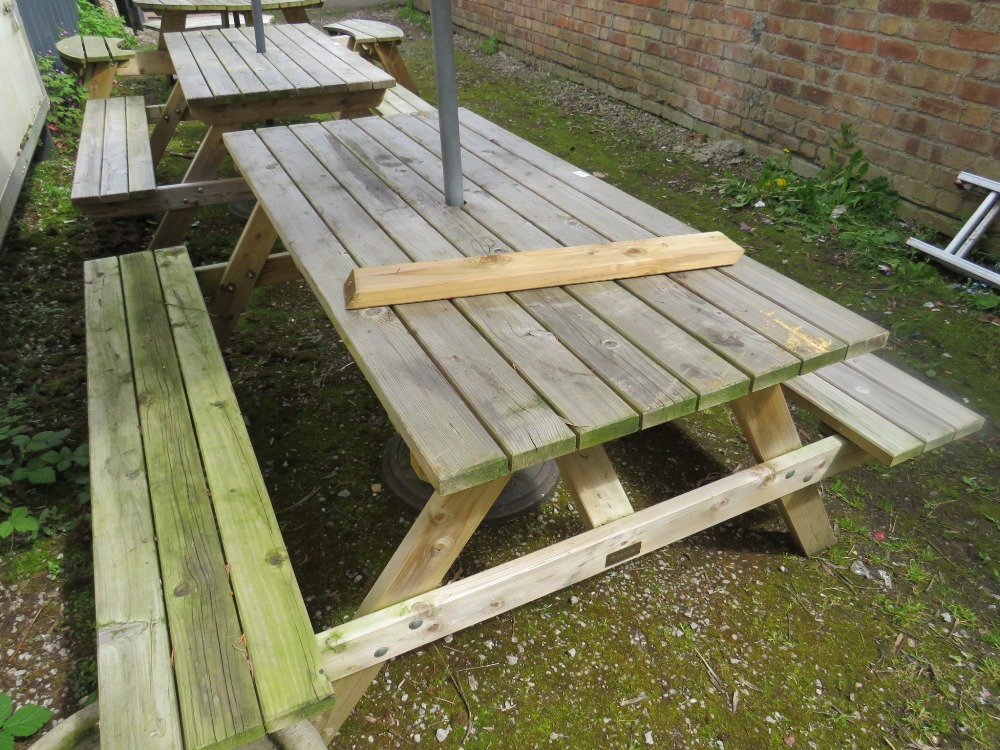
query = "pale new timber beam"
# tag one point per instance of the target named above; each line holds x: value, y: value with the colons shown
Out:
x: 423, y: 281
x: 767, y: 425
x: 431, y: 546
x: 418, y: 620
x: 594, y: 487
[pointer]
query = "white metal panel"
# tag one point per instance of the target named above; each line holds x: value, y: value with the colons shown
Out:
x: 24, y: 108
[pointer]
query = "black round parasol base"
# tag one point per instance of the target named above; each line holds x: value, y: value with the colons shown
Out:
x: 526, y: 490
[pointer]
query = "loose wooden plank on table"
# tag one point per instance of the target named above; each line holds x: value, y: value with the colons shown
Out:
x: 584, y: 401
x: 279, y: 637
x: 214, y: 686
x: 138, y: 696
x: 656, y: 393
x: 860, y: 335
x: 438, y: 427
x: 509, y: 272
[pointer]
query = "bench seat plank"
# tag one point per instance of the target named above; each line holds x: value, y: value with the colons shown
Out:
x: 962, y: 419
x: 279, y: 636
x: 887, y: 442
x: 217, y: 701
x: 114, y: 161
x: 138, y: 698
x: 889, y: 413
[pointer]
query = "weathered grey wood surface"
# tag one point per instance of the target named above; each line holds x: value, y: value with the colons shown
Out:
x: 601, y: 359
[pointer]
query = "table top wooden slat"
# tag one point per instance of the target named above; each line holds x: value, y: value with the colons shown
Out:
x: 588, y: 405
x: 653, y: 392
x: 437, y: 425
x: 350, y: 57
x: 297, y: 78
x: 712, y: 380
x: 195, y: 85
x: 300, y: 45
x: 336, y: 199
x: 814, y: 346
x: 861, y: 334
x: 206, y: 6
x: 236, y: 66
x: 658, y: 348
x: 213, y: 70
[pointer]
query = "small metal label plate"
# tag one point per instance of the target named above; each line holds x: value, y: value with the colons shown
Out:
x: 623, y: 554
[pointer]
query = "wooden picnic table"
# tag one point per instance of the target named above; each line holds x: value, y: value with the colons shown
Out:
x: 173, y: 13
x: 479, y: 387
x: 224, y: 82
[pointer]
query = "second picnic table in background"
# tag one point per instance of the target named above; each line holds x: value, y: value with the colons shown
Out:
x: 226, y: 83
x: 174, y: 13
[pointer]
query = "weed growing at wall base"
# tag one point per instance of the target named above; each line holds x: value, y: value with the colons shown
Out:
x: 839, y: 201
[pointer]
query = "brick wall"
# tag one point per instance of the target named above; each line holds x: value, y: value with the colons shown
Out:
x: 919, y: 80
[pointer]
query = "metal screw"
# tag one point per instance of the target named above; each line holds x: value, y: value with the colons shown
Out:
x: 251, y: 274
x: 416, y: 624
x: 382, y: 651
x: 807, y: 478
x: 790, y: 474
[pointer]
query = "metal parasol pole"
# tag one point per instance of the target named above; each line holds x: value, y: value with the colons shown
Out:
x: 258, y: 25
x: 447, y: 100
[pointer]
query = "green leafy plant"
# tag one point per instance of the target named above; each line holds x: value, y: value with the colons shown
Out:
x: 95, y: 22
x: 489, y: 45
x: 28, y: 461
x: 410, y: 13
x: 23, y: 722
x: 66, y: 98
x: 838, y: 202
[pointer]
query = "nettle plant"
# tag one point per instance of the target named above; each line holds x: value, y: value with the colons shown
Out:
x: 21, y: 723
x: 30, y: 461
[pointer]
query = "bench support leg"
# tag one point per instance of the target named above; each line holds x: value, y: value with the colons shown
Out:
x: 430, y: 548
x: 593, y: 484
x: 99, y: 79
x: 206, y: 163
x: 768, y: 427
x: 388, y: 53
x: 173, y: 112
x: 241, y: 274
x: 295, y: 15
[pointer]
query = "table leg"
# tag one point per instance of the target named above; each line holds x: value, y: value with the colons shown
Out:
x: 100, y: 78
x: 388, y: 53
x: 240, y: 276
x: 768, y: 427
x: 204, y: 166
x: 173, y: 112
x: 170, y: 20
x: 295, y: 15
x: 593, y: 485
x: 430, y: 548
